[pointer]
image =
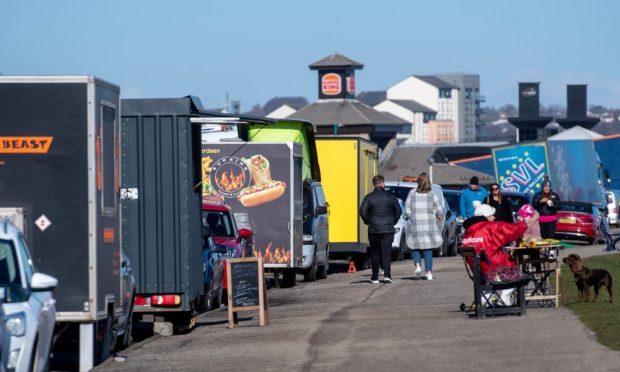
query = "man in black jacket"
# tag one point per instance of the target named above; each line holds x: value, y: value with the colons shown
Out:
x: 380, y: 211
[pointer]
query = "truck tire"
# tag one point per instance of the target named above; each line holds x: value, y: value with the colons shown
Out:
x: 310, y: 273
x: 122, y: 343
x: 325, y: 267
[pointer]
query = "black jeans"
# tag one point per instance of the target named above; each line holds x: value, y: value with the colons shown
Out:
x: 547, y: 229
x: 381, y: 254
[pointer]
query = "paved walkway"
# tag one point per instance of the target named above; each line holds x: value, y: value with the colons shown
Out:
x: 344, y: 323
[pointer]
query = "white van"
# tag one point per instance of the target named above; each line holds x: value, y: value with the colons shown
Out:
x: 613, y: 200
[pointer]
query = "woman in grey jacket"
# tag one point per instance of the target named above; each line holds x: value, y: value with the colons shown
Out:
x: 425, y: 224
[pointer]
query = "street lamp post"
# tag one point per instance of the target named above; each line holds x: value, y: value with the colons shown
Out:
x: 430, y: 162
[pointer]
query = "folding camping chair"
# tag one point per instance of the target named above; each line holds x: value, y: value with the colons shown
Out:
x: 487, y: 300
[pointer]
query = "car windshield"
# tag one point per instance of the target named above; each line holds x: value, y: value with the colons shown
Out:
x: 570, y: 207
x: 401, y: 192
x: 11, y: 289
x: 220, y: 223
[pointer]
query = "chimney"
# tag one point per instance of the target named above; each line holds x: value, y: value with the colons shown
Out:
x: 577, y: 108
x: 530, y: 125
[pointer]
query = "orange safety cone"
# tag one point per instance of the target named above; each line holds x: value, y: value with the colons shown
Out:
x: 352, y: 268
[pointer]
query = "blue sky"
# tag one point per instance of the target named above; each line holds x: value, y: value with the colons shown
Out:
x: 255, y: 50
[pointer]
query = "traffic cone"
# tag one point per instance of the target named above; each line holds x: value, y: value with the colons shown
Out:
x: 352, y: 268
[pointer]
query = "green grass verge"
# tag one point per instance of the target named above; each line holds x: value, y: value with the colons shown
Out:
x: 601, y: 317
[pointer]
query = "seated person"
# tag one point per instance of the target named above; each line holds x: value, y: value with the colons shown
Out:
x: 482, y: 233
x: 529, y: 215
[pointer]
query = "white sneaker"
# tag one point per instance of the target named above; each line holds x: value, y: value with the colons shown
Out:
x: 418, y: 270
x: 374, y: 281
x: 387, y: 279
x: 429, y: 276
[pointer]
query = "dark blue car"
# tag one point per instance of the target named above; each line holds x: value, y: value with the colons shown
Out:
x: 213, y: 256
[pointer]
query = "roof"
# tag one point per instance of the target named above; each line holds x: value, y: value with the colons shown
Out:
x: 411, y: 161
x: 373, y: 97
x: 335, y: 60
x: 412, y: 105
x: 575, y: 133
x: 345, y: 112
x: 435, y: 81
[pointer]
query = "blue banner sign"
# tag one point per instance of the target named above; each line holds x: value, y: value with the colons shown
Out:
x: 521, y: 167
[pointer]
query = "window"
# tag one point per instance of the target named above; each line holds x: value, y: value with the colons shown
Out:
x: 467, y: 93
x: 320, y: 196
x: 28, y: 268
x: 11, y: 288
x: 220, y: 223
x: 445, y: 93
x: 106, y: 168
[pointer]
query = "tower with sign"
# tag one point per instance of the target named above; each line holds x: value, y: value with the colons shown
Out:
x: 336, y: 76
x: 530, y: 125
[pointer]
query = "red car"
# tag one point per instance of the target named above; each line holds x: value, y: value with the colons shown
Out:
x: 579, y: 221
x: 220, y: 218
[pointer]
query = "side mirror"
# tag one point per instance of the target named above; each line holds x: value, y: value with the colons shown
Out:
x: 448, y: 214
x: 42, y: 282
x: 245, y: 233
x: 218, y: 248
x: 319, y: 210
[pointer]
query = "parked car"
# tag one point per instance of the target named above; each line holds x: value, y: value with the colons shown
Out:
x: 5, y: 341
x: 579, y: 221
x: 453, y: 198
x: 399, y: 244
x: 213, y: 255
x: 450, y: 232
x: 224, y: 232
x: 315, y: 256
x: 613, y: 201
x: 517, y: 199
x: 401, y: 191
x: 28, y: 303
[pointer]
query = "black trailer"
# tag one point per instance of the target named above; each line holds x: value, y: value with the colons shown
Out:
x: 58, y: 167
x: 161, y: 207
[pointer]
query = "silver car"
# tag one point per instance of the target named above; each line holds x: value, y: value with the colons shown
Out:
x: 28, y: 304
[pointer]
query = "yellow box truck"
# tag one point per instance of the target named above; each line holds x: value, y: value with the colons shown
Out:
x: 348, y: 165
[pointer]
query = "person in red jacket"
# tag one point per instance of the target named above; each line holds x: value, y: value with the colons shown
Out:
x: 482, y: 233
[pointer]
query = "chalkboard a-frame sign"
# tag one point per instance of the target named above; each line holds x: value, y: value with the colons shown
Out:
x: 246, y: 289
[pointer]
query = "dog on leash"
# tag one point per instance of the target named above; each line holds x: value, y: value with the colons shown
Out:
x: 586, y: 278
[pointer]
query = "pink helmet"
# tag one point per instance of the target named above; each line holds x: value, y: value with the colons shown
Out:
x: 526, y: 211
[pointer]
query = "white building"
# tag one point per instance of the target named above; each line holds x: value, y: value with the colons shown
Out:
x: 415, y: 113
x: 453, y: 98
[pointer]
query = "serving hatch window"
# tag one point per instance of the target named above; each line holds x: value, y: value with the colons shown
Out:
x: 107, y: 158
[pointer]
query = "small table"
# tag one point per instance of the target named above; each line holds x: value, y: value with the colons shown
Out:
x: 541, y: 262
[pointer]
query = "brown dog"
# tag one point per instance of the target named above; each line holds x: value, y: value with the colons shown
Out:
x: 585, y: 278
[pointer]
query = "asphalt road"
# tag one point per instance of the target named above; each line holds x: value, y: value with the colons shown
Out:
x: 344, y: 323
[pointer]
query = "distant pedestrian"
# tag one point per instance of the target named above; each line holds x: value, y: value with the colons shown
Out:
x: 380, y: 211
x: 424, y: 231
x: 503, y: 210
x: 547, y: 203
x: 473, y: 192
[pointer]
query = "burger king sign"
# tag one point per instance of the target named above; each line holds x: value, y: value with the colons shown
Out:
x: 331, y: 84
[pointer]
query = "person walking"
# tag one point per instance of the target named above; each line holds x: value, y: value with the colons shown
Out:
x: 547, y: 203
x: 503, y: 210
x: 473, y: 192
x: 424, y: 230
x: 380, y: 211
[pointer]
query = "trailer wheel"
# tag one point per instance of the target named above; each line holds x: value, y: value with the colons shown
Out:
x: 105, y: 339
x: 288, y: 278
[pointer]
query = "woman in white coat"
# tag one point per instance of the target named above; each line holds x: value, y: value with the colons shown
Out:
x: 424, y: 231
